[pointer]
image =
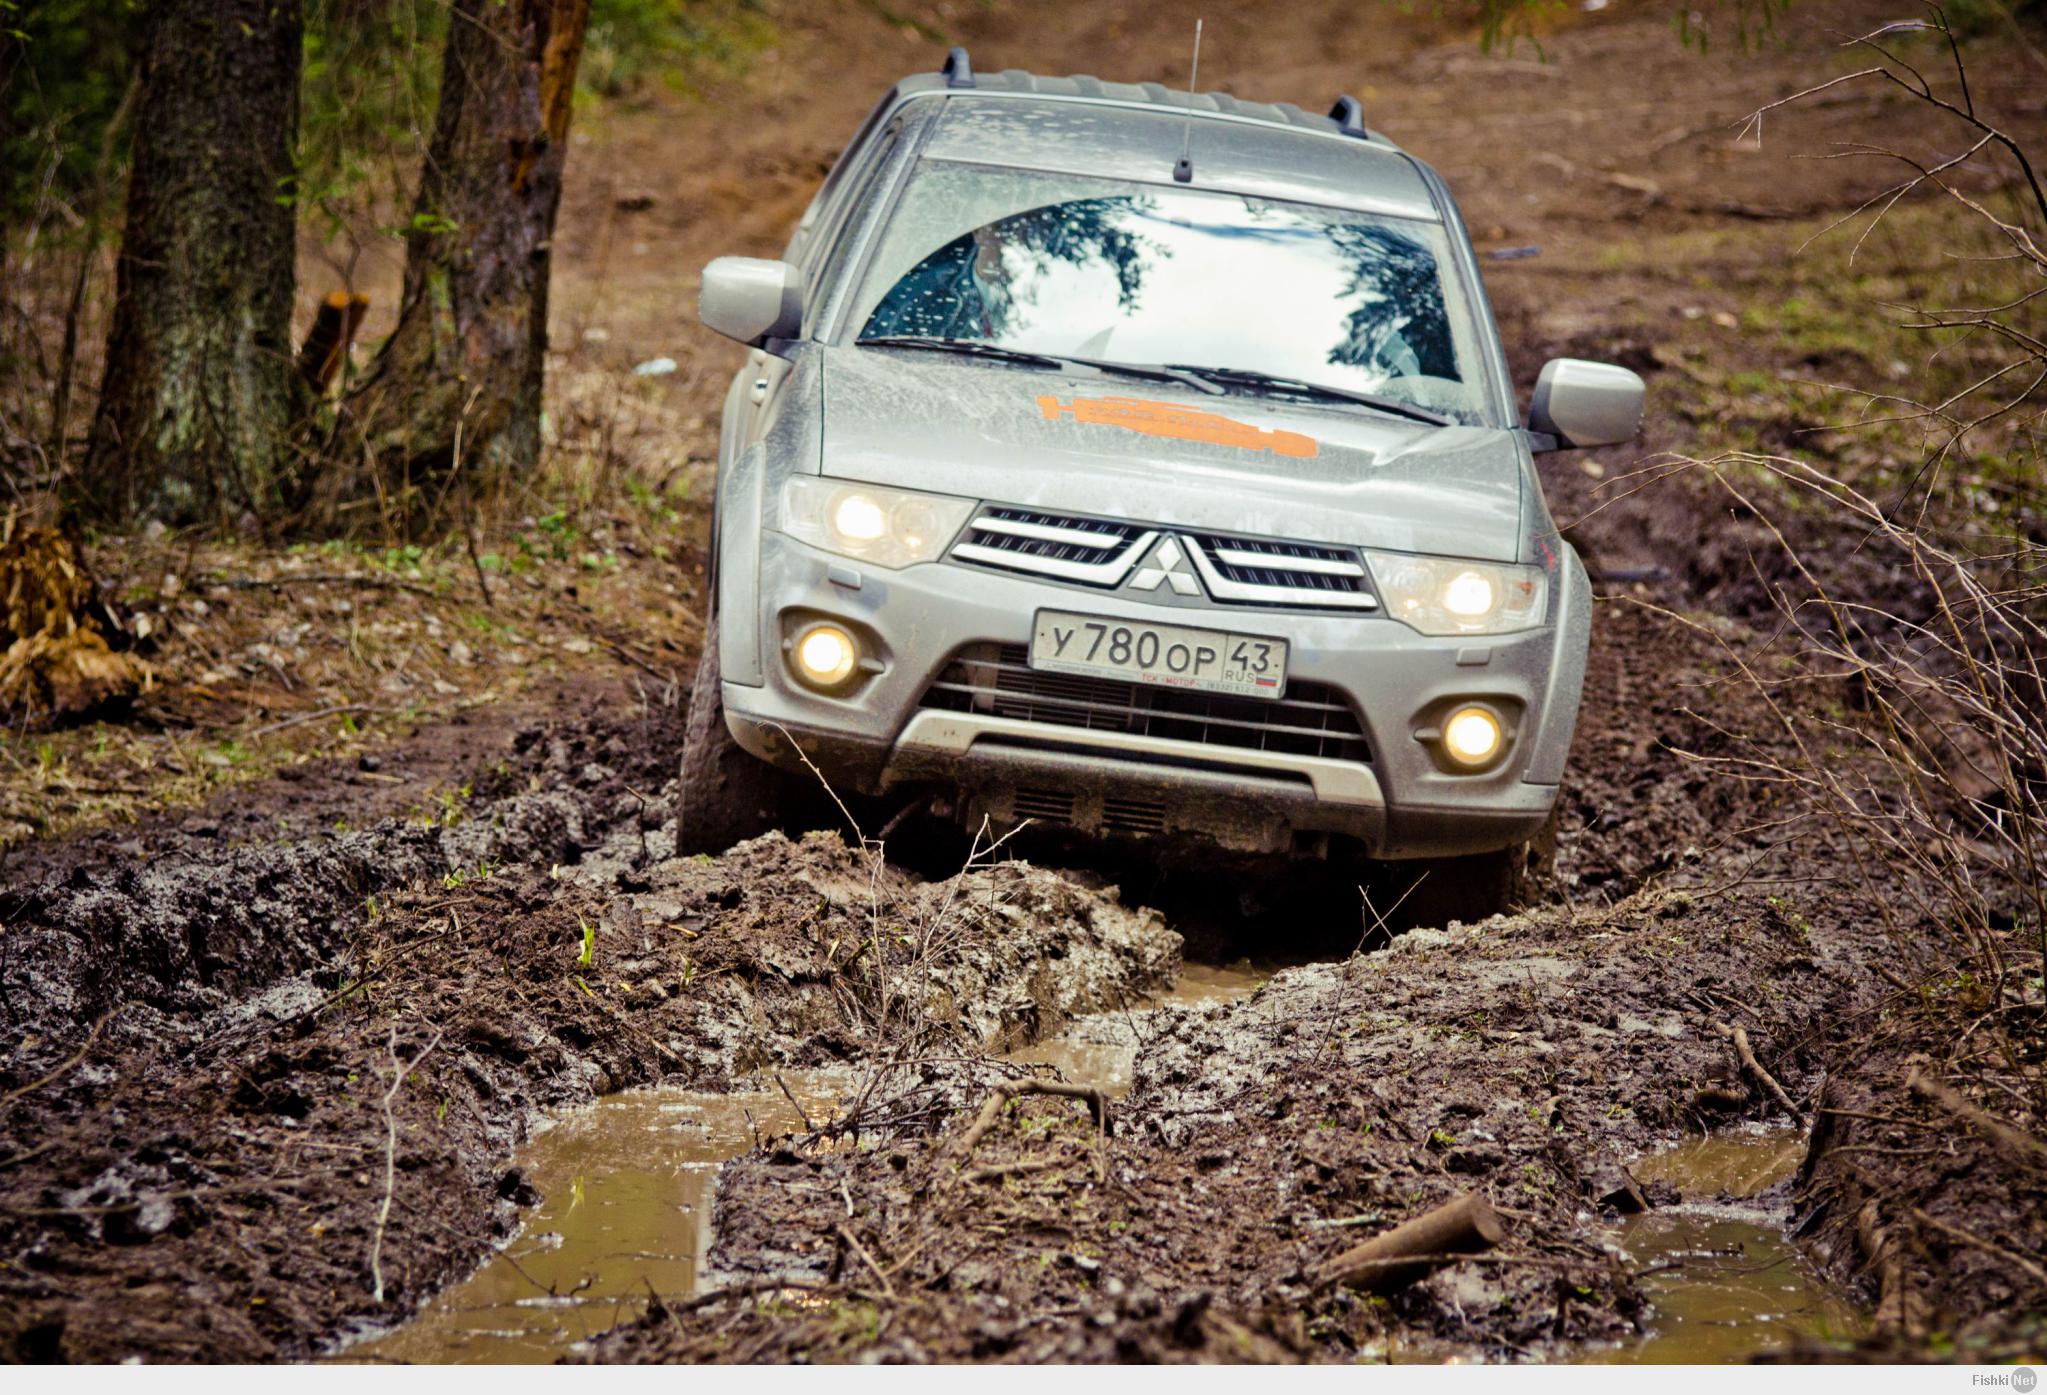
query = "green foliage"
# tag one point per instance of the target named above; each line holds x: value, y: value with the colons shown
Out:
x: 367, y: 95
x: 64, y: 67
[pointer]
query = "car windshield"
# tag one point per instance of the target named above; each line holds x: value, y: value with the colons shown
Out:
x: 1066, y: 265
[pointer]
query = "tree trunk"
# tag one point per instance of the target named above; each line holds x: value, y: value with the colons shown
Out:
x: 456, y: 388
x: 197, y: 401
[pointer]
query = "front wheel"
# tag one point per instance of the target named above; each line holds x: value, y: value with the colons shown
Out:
x: 1477, y: 886
x: 727, y: 794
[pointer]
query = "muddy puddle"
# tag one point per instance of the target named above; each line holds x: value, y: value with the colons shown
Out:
x: 1736, y: 1287
x: 627, y: 1192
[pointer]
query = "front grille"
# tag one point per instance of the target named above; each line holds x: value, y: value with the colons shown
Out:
x: 1075, y: 549
x: 1232, y: 570
x: 1313, y: 719
x: 1291, y: 566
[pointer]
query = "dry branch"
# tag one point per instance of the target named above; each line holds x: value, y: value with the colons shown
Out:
x: 1415, y: 1249
x: 1882, y: 1254
x: 1097, y: 1105
x: 2025, y: 1149
x: 1750, y: 1064
x: 399, y: 1071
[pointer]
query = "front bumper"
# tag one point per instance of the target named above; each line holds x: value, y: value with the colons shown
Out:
x: 1399, y: 801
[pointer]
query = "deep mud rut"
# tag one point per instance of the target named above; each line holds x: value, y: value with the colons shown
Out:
x: 224, y: 1026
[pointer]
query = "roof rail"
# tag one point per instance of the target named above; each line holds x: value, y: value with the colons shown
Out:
x: 1347, y: 114
x: 958, y: 69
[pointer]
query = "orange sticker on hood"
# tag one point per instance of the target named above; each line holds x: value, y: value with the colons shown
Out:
x: 1177, y: 422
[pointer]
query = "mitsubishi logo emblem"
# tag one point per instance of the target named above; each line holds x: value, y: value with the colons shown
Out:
x: 1168, y: 563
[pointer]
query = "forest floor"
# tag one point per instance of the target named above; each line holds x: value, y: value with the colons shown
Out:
x: 382, y: 866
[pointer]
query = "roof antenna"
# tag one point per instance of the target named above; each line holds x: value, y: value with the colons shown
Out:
x: 1183, y: 172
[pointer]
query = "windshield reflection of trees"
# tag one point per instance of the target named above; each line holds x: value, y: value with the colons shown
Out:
x: 1399, y: 311
x: 982, y: 284
x: 978, y: 285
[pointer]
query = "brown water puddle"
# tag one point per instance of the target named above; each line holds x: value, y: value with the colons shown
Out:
x: 1739, y: 1288
x: 626, y: 1189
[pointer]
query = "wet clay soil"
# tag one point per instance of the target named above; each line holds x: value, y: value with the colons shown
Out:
x: 224, y: 1025
x: 627, y: 1186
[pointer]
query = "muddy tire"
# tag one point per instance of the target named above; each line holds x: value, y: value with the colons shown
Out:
x: 726, y: 794
x: 1481, y: 885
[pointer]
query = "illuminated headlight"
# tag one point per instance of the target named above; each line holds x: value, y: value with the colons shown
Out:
x: 888, y: 527
x: 824, y: 656
x: 1445, y: 596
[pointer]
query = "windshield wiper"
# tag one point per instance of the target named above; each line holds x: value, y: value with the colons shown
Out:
x: 1273, y: 382
x: 978, y: 348
x: 974, y: 348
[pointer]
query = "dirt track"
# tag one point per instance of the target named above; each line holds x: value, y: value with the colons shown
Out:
x: 193, y: 1134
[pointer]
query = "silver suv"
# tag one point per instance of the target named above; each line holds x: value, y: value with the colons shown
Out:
x: 1146, y: 463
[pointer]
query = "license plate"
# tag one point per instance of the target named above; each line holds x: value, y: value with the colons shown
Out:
x: 1165, y: 656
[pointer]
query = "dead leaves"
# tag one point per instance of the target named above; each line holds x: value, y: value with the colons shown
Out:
x: 58, y: 664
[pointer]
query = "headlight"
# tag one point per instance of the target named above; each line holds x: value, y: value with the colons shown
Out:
x: 888, y: 527
x: 1445, y: 596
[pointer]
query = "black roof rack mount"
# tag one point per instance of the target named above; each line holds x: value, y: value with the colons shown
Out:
x: 958, y: 69
x: 1347, y: 113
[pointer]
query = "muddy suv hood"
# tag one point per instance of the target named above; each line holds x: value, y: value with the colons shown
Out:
x: 1159, y: 453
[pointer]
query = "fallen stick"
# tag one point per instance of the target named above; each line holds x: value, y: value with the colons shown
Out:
x: 1746, y: 1054
x: 1969, y: 1237
x: 1097, y: 1105
x: 399, y: 1071
x: 865, y: 1258
x: 60, y: 1072
x: 1415, y: 1249
x: 1882, y: 1255
x: 2023, y: 1146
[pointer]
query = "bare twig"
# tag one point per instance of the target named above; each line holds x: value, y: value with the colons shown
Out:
x: 399, y: 1071
x: 1749, y: 1063
x: 61, y: 1071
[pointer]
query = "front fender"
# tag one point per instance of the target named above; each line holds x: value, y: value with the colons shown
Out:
x: 736, y: 534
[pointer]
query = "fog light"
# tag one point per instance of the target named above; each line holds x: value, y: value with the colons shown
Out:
x: 1472, y: 736
x: 825, y: 656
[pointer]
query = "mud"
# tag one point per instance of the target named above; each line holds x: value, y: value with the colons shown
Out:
x: 195, y: 1138
x: 1531, y: 1058
x: 1725, y: 1280
x: 207, y: 1012
x: 626, y: 1186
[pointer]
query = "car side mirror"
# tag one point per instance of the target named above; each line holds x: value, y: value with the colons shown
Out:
x: 1581, y: 403
x: 751, y: 299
